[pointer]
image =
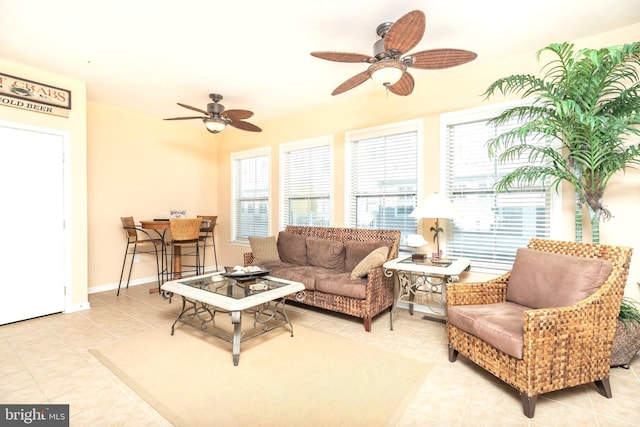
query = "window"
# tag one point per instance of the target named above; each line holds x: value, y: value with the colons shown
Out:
x: 250, y: 193
x: 382, y: 175
x: 306, y: 182
x: 492, y: 225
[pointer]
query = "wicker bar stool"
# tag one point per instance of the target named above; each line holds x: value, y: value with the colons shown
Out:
x: 139, y: 241
x: 185, y: 234
x: 207, y: 234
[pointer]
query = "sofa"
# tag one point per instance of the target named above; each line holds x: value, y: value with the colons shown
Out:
x: 341, y: 268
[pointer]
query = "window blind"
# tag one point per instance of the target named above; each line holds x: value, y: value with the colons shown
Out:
x: 250, y: 195
x: 306, y: 183
x: 492, y: 225
x: 383, y: 179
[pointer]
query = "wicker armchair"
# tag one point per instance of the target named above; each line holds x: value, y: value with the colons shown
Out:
x: 563, y: 346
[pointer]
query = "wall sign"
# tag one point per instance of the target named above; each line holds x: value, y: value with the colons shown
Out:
x: 29, y: 95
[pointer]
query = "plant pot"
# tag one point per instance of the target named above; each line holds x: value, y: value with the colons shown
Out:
x: 626, y: 343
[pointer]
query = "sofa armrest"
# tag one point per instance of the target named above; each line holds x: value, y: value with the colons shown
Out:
x: 489, y: 292
x: 379, y: 286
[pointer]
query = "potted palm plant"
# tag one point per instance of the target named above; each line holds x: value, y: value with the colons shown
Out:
x: 586, y: 107
x: 581, y: 128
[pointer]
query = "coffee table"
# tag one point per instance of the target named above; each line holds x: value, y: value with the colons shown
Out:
x: 203, y: 297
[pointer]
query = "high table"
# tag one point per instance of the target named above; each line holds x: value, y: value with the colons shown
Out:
x: 425, y: 276
x: 160, y: 226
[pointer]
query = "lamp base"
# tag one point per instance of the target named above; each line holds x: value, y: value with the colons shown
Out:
x: 436, y: 256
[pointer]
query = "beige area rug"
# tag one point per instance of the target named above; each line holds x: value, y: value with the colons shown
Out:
x: 311, y: 379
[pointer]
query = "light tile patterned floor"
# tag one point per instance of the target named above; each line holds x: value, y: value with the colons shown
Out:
x: 45, y: 360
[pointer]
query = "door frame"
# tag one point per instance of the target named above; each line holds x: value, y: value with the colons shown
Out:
x: 66, y: 166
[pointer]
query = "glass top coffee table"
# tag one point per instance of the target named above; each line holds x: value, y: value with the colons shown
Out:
x: 204, y: 296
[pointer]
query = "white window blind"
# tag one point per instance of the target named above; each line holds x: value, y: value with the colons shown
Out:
x: 306, y: 171
x: 382, y: 165
x: 492, y: 225
x: 250, y: 181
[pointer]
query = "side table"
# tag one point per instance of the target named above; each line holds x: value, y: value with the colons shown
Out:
x: 428, y: 277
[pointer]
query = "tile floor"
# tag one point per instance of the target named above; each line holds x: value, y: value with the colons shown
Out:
x: 45, y: 360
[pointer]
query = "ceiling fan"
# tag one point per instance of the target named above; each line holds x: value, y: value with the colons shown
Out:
x: 216, y: 118
x: 388, y: 66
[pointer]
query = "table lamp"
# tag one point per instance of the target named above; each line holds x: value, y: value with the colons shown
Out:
x: 438, y: 207
x: 415, y: 241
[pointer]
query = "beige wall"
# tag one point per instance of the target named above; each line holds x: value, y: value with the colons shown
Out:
x: 137, y: 165
x: 435, y: 93
x: 76, y: 126
x: 142, y: 166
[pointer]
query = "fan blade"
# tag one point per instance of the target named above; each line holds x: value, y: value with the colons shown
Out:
x: 194, y: 109
x: 404, y: 86
x: 238, y: 114
x: 244, y: 126
x: 436, y: 59
x: 342, y: 56
x: 406, y: 32
x: 185, y: 118
x: 354, y: 81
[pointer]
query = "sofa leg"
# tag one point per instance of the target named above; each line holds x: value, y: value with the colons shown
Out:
x: 604, y: 388
x: 367, y: 324
x: 453, y: 354
x: 529, y: 404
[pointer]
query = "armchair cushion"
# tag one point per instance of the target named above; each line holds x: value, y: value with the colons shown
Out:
x: 500, y: 324
x: 543, y: 280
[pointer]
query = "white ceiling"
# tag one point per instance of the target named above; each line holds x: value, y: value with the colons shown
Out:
x: 146, y: 55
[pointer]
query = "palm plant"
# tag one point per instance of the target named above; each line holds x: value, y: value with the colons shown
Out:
x: 584, y: 109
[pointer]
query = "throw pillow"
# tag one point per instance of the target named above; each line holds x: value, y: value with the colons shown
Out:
x: 356, y: 250
x: 292, y: 248
x: 325, y: 253
x: 265, y: 250
x: 375, y: 259
x: 542, y: 280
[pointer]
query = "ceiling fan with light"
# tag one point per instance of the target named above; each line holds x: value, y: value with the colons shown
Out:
x: 388, y: 66
x: 216, y: 118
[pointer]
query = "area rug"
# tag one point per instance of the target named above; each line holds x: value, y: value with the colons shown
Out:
x: 311, y: 379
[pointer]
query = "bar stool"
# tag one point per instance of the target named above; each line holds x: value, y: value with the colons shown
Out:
x: 138, y: 242
x: 185, y: 233
x: 206, y: 233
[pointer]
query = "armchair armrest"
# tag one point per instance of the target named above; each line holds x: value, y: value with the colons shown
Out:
x: 248, y: 258
x: 489, y: 292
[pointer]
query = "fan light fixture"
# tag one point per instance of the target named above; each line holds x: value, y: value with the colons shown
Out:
x: 387, y: 73
x: 214, y: 124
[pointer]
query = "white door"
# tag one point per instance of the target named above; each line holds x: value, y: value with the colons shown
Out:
x: 31, y: 224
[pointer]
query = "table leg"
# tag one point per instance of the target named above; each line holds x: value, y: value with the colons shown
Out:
x: 236, y: 320
x: 177, y: 262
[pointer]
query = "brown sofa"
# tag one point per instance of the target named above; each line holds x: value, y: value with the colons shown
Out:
x: 334, y: 265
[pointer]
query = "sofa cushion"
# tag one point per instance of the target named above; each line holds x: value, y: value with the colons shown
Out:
x: 543, y: 279
x: 500, y: 324
x: 376, y: 258
x: 356, y: 250
x: 342, y: 284
x: 265, y: 250
x: 325, y: 253
x: 307, y: 275
x: 292, y: 248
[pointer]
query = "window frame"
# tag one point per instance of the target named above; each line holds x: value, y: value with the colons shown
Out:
x: 386, y: 130
x: 234, y: 158
x: 284, y: 148
x: 484, y: 113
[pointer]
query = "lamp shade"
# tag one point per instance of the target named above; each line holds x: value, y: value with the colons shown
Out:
x: 435, y: 206
x: 416, y: 240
